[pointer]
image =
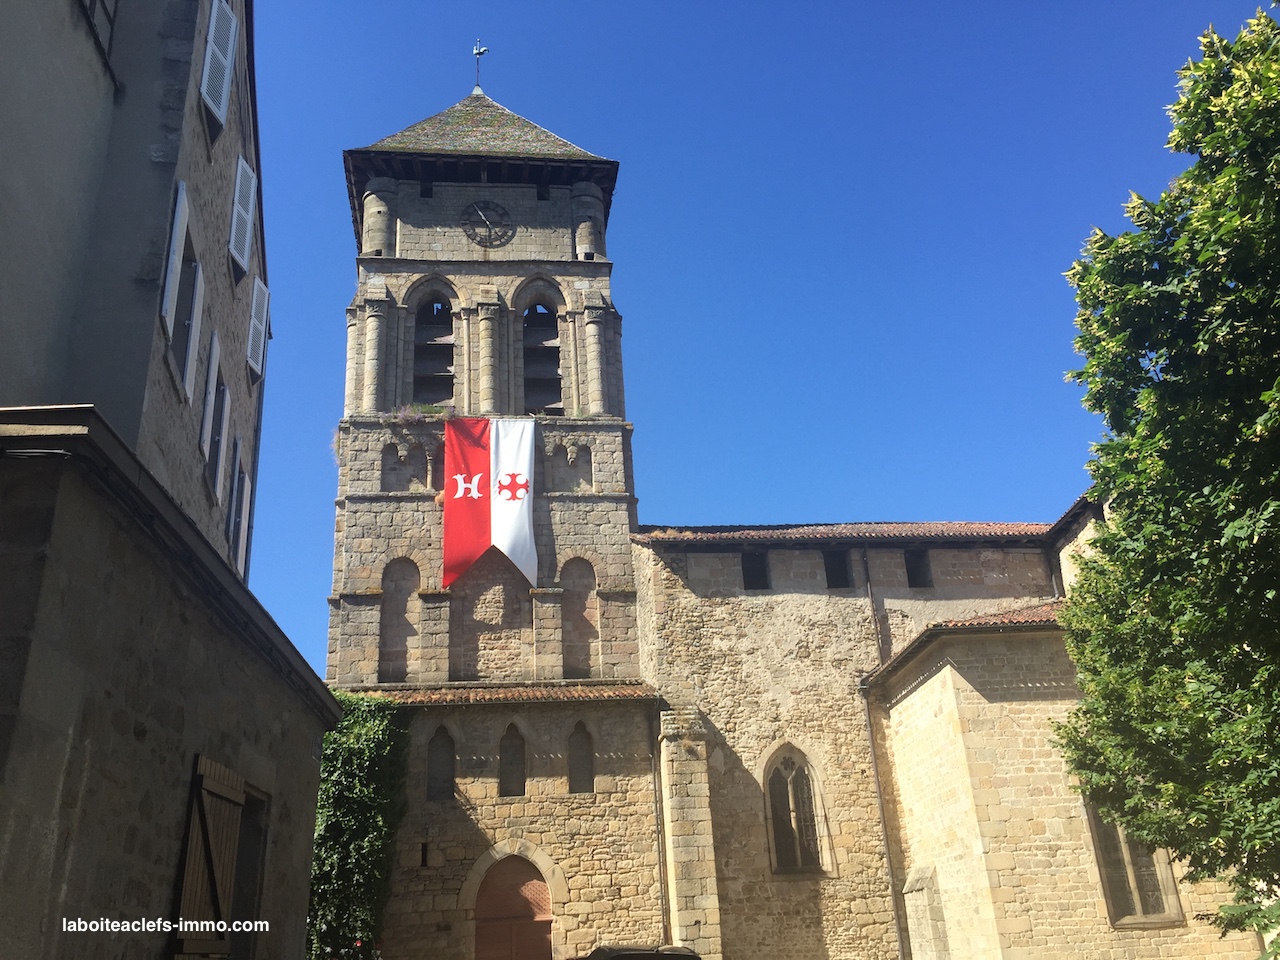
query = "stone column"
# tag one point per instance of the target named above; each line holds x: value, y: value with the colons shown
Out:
x: 350, y: 400
x: 548, y: 634
x: 594, y: 319
x: 375, y: 321
x: 690, y: 853
x: 588, y: 221
x: 378, y: 234
x: 488, y: 358
x: 431, y: 665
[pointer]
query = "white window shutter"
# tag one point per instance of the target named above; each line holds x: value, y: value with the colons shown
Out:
x: 258, y: 325
x: 242, y: 548
x: 222, y: 447
x: 219, y: 59
x: 210, y: 395
x: 242, y: 214
x: 173, y: 268
x: 193, y: 338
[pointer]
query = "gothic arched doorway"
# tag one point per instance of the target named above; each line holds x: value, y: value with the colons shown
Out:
x: 513, y: 913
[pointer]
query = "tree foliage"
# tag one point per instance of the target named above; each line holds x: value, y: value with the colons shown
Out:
x: 1175, y: 623
x: 361, y: 800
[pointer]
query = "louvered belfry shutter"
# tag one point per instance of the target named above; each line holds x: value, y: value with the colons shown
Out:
x: 258, y: 325
x: 219, y: 59
x: 243, y: 209
x: 209, y: 868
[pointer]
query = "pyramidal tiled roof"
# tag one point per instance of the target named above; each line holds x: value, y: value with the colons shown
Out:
x: 480, y: 127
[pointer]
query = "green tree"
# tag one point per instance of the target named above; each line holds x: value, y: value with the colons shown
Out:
x: 361, y: 800
x: 1175, y: 622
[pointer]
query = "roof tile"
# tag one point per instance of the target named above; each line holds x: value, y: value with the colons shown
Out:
x: 820, y: 532
x: 468, y: 693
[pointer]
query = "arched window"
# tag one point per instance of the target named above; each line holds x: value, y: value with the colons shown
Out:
x: 542, y: 388
x: 582, y: 761
x: 580, y: 617
x: 398, y: 619
x: 511, y: 773
x: 442, y: 762
x: 793, y: 814
x: 433, y: 353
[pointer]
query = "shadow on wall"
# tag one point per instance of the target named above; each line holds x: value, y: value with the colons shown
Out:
x: 763, y: 913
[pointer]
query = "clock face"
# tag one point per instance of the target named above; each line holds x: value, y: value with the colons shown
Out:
x: 487, y: 224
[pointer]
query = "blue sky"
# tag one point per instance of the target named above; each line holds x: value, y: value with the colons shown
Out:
x: 839, y: 235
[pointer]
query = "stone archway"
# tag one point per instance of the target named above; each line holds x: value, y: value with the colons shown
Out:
x: 513, y: 912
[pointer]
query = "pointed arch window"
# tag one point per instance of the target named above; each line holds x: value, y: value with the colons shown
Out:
x: 442, y: 764
x: 582, y: 761
x: 433, y: 363
x: 511, y: 763
x: 793, y: 812
x: 542, y: 386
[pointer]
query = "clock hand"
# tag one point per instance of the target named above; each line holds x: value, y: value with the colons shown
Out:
x: 484, y: 218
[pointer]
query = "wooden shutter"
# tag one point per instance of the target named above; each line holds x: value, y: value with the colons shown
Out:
x: 193, y: 337
x: 243, y: 209
x: 242, y: 548
x: 173, y: 269
x: 209, y: 867
x: 219, y: 59
x: 222, y: 442
x: 258, y: 325
x: 210, y: 395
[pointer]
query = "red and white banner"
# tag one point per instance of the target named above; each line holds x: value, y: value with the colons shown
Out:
x: 488, y: 497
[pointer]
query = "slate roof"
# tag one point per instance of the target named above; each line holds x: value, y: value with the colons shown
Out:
x: 830, y: 532
x: 468, y: 693
x: 479, y: 127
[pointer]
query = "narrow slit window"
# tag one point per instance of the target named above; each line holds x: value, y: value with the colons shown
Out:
x: 511, y: 763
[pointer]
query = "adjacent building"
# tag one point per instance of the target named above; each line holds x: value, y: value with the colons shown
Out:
x: 793, y: 741
x: 159, y: 735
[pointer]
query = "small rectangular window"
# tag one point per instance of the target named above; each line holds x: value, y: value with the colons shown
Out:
x: 918, y: 572
x: 216, y: 467
x: 837, y: 564
x: 755, y: 570
x: 212, y: 381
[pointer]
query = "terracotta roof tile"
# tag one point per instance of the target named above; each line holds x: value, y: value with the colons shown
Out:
x: 1043, y: 613
x: 468, y: 693
x: 827, y: 532
x: 477, y: 126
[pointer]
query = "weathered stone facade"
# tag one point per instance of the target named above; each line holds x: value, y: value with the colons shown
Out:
x: 136, y: 669
x: 714, y: 737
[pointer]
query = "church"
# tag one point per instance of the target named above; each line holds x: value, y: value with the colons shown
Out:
x: 798, y: 741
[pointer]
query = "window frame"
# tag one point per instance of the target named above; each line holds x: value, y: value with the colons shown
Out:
x: 1100, y: 831
x: 789, y: 761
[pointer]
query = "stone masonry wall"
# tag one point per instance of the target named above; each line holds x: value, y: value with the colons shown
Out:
x: 601, y: 848
x: 976, y: 715
x: 765, y: 670
x: 128, y: 675
x: 490, y: 626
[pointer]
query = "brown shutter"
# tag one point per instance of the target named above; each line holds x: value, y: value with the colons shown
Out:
x: 213, y: 834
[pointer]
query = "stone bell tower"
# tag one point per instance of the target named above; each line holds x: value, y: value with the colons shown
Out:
x: 483, y: 291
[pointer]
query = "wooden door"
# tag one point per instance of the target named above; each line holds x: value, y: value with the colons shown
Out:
x: 513, y: 913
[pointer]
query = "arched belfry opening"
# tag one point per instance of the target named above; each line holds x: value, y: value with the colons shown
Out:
x: 513, y: 912
x: 433, y: 362
x: 543, y: 391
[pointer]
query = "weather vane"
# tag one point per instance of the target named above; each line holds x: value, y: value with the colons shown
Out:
x: 478, y: 52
